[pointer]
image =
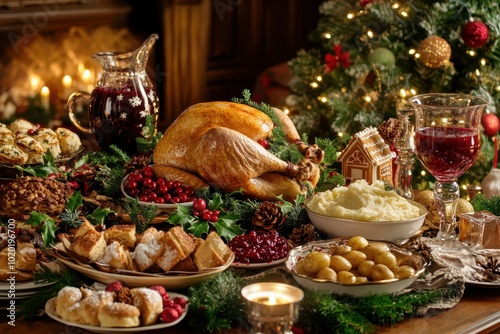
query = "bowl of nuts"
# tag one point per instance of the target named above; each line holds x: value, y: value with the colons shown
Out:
x: 354, y: 266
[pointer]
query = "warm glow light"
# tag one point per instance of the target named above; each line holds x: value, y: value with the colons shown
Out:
x: 319, y: 78
x: 395, y: 5
x: 45, y: 97
x: 350, y: 16
x: 472, y: 53
x: 34, y: 83
x: 272, y: 299
x: 323, y: 99
x: 367, y: 98
x: 464, y: 187
x: 309, y: 106
x: 412, y: 51
x: 328, y: 36
x: 44, y: 91
x: 314, y: 84
x: 86, y: 75
x: 67, y: 81
x: 478, y: 72
x: 498, y: 88
x: 417, y: 55
x: 404, y: 13
x: 423, y: 173
x: 402, y: 92
x: 370, y: 34
x: 286, y: 111
x: 341, y: 134
x: 444, y: 120
x: 483, y: 62
x: 413, y: 91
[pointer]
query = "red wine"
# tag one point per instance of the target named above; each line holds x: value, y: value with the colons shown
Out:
x: 447, y: 152
x: 117, y: 115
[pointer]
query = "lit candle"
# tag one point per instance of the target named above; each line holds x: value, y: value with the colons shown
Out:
x: 272, y: 307
x: 67, y: 82
x: 34, y: 85
x: 86, y: 75
x: 45, y: 97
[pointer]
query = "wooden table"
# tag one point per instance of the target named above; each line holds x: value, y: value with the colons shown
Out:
x: 477, y: 312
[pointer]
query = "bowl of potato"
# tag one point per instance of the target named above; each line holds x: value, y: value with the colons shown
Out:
x: 372, y: 211
x: 354, y: 266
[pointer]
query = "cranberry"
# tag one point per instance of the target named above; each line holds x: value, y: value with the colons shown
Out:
x: 183, y: 198
x: 168, y: 198
x: 131, y: 184
x: 148, y: 172
x: 264, y: 143
x: 138, y: 177
x: 143, y: 198
x: 181, y: 301
x: 114, y: 286
x: 160, y: 289
x: 175, y: 199
x: 189, y: 191
x: 31, y: 132
x: 152, y: 197
x: 161, y: 181
x: 160, y: 200
x: 162, y: 189
x: 199, y: 204
x: 169, y: 314
x: 176, y: 184
x: 259, y: 248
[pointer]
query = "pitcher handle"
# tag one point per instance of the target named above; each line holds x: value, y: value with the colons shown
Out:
x: 73, y: 98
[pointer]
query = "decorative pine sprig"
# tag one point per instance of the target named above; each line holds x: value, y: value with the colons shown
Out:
x: 480, y: 203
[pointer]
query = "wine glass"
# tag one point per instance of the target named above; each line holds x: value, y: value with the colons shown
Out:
x: 447, y: 142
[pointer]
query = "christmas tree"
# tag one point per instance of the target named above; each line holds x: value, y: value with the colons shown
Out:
x: 371, y: 56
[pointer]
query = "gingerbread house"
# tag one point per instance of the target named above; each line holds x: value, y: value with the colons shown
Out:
x: 367, y: 156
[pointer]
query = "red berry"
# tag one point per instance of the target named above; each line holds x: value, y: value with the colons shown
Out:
x: 176, y: 184
x: 138, y: 177
x: 160, y: 289
x: 183, y: 197
x: 148, y: 172
x: 178, y: 308
x: 169, y: 315
x: 175, y: 199
x: 189, y: 191
x: 206, y: 216
x: 168, y: 303
x: 181, y: 301
x: 168, y: 198
x: 160, y: 181
x: 263, y: 143
x: 199, y: 204
x: 131, y: 184
x: 214, y: 218
x: 31, y: 132
x: 152, y: 196
x: 114, y: 286
x: 162, y: 189
x: 160, y: 200
x: 169, y: 184
x: 144, y: 198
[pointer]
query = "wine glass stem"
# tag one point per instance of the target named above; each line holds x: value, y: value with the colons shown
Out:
x: 446, y: 195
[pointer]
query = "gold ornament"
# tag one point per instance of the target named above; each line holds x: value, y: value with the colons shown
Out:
x: 434, y: 51
x: 426, y: 198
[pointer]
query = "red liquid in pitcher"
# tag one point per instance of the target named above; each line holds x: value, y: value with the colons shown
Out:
x: 447, y: 152
x: 118, y: 115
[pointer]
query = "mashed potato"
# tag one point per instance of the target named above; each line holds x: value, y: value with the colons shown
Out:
x: 361, y: 201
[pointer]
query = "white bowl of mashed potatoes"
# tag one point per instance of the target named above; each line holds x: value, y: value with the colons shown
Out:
x: 368, y: 210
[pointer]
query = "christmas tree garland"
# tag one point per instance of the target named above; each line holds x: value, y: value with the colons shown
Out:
x: 217, y: 305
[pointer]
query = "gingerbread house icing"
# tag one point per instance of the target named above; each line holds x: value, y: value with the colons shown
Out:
x: 367, y: 156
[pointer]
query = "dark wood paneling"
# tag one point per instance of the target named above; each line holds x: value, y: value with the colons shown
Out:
x: 248, y: 36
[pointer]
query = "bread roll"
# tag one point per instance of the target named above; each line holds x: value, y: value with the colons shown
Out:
x: 21, y: 125
x: 48, y: 138
x: 90, y: 306
x: 119, y: 315
x: 26, y: 259
x: 149, y: 303
x: 6, y: 136
x: 32, y: 147
x: 11, y: 154
x: 68, y: 140
x: 66, y: 297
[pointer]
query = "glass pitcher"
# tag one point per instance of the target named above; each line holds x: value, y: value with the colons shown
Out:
x: 123, y: 105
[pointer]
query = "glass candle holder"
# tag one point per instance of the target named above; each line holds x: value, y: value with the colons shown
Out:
x: 480, y: 230
x: 272, y: 308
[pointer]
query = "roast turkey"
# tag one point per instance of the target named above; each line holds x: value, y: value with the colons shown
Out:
x: 217, y: 144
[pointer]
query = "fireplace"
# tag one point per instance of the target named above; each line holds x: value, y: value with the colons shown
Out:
x: 46, y: 49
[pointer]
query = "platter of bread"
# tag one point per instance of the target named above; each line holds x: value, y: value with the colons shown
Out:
x: 117, y: 308
x: 172, y: 258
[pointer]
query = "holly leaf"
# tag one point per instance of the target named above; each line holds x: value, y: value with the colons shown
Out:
x: 182, y: 216
x: 284, y: 205
x: 97, y: 217
x: 227, y: 228
x: 198, y: 228
x: 75, y: 201
x: 47, y: 230
x: 43, y: 170
x: 216, y: 202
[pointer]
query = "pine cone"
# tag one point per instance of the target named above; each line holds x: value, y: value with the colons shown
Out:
x: 268, y: 217
x: 137, y: 162
x: 303, y: 234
